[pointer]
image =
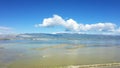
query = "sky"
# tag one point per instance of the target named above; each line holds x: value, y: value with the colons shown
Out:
x: 52, y: 16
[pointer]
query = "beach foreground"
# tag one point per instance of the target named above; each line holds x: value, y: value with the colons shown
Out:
x: 61, y: 53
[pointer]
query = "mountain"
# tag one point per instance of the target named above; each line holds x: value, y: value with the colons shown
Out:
x: 39, y: 36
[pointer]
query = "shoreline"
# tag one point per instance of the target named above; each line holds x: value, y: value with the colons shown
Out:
x: 95, y: 65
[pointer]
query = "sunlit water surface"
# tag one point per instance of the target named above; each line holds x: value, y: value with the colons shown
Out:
x: 60, y: 52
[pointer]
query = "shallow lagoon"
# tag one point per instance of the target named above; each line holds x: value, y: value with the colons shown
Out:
x: 57, y: 53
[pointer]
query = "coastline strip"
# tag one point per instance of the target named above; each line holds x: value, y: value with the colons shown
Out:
x: 94, y: 65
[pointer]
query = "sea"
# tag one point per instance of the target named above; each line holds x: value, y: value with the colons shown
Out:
x: 61, y: 50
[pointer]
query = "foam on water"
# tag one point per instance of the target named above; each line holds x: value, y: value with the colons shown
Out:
x: 95, y: 65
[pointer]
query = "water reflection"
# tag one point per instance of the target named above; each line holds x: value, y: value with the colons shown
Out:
x: 61, y: 53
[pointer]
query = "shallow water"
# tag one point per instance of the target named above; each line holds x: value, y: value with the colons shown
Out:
x: 58, y: 53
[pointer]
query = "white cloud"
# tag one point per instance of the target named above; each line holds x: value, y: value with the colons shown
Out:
x: 98, y: 27
x: 48, y: 22
x: 5, y: 30
x: 72, y: 25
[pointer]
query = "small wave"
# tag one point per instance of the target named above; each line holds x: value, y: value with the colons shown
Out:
x: 95, y: 65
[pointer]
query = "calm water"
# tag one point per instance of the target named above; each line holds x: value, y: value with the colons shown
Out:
x: 60, y: 50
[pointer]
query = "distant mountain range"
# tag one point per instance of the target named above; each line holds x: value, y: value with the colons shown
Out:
x: 39, y: 36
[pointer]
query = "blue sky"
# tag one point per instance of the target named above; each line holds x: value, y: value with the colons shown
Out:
x: 21, y: 16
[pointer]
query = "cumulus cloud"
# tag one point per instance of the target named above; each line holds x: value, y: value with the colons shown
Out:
x: 72, y: 25
x: 5, y: 30
x: 98, y: 27
x: 54, y: 21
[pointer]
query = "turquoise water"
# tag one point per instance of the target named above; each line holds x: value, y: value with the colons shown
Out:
x: 59, y: 50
